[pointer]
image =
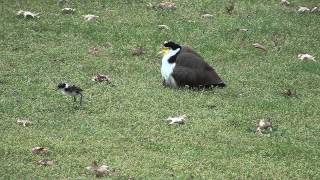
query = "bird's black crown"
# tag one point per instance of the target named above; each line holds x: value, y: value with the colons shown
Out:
x: 61, y: 85
x: 171, y: 45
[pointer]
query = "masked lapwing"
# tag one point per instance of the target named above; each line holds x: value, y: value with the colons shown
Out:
x: 183, y: 67
x: 71, y: 90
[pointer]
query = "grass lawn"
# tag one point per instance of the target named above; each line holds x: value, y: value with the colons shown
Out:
x: 124, y: 125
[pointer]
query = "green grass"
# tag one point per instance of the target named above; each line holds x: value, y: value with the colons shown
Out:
x: 124, y: 127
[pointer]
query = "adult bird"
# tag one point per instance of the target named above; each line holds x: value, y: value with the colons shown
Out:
x: 182, y: 66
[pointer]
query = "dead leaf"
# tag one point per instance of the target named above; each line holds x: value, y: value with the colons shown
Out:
x: 27, y: 14
x: 150, y: 6
x: 90, y: 17
x: 289, y: 93
x: 101, y: 78
x: 24, y: 122
x: 40, y: 150
x: 100, y: 171
x: 163, y: 27
x: 243, y: 30
x: 303, y: 10
x: 306, y: 57
x: 138, y: 51
x: 94, y: 51
x: 263, y: 125
x: 285, y: 2
x: 259, y: 46
x: 68, y: 10
x: 164, y: 6
x: 45, y: 162
x: 315, y: 10
x: 207, y: 15
x: 177, y: 120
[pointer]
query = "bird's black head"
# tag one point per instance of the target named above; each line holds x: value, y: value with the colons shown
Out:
x: 62, y: 85
x: 171, y: 45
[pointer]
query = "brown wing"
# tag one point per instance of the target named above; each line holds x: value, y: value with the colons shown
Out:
x: 192, y: 70
x: 195, y: 77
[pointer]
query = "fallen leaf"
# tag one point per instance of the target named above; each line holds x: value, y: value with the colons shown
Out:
x: 289, y: 93
x: 303, y: 10
x: 90, y: 17
x: 138, y: 51
x: 150, y: 5
x: 94, y: 51
x: 243, y: 30
x: 24, y: 122
x: 100, y: 171
x: 40, y: 150
x: 306, y: 57
x: 259, y: 46
x: 263, y: 124
x: 27, y: 14
x: 45, y: 162
x: 163, y: 27
x: 207, y: 15
x: 285, y: 2
x: 101, y: 78
x: 166, y: 6
x: 315, y: 10
x: 68, y: 10
x: 177, y: 120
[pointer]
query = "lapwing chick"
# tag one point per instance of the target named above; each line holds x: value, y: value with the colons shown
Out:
x: 184, y: 67
x: 71, y: 90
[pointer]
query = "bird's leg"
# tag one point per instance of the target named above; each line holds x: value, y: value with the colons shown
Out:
x: 81, y: 96
x: 74, y: 99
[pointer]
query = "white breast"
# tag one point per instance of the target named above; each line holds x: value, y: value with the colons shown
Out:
x: 166, y: 71
x: 166, y: 67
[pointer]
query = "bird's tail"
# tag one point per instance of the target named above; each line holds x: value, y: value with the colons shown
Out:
x: 221, y: 84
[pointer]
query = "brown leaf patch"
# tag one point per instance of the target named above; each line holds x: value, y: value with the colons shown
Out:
x: 306, y: 57
x: 68, y: 10
x: 163, y: 6
x: 177, y: 120
x: 138, y: 51
x: 243, y: 30
x: 207, y: 16
x: 45, y: 162
x: 40, y: 150
x: 163, y: 27
x: 259, y: 46
x: 263, y: 125
x: 102, y: 78
x: 90, y: 17
x: 289, y: 93
x: 94, y: 51
x: 285, y: 2
x: 27, y: 14
x: 24, y: 122
x: 100, y: 171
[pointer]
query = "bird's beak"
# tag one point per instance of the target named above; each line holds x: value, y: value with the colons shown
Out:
x: 164, y: 51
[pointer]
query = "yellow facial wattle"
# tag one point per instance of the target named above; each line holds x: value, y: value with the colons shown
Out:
x: 165, y: 51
